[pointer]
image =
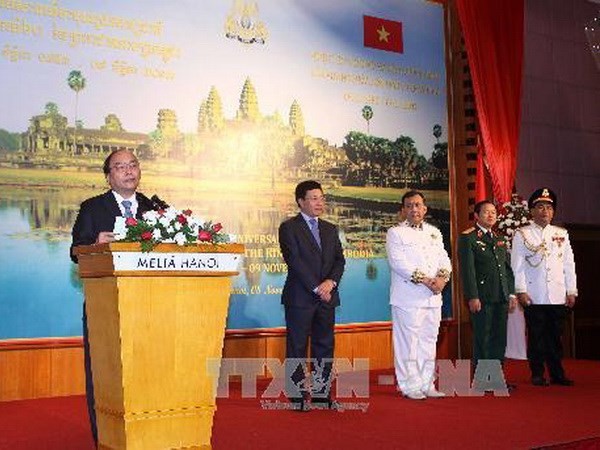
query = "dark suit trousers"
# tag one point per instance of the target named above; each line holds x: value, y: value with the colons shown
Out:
x: 316, y: 321
x: 544, y: 330
x: 489, y: 331
x: 89, y: 384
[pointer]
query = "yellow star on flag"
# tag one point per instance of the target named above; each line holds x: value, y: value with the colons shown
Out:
x: 383, y: 34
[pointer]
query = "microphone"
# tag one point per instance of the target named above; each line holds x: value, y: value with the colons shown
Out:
x: 157, y: 203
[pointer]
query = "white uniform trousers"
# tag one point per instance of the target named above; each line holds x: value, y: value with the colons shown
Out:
x: 415, y: 333
x: 516, y: 340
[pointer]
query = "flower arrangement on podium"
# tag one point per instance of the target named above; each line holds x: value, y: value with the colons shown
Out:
x: 169, y: 225
x: 511, y: 216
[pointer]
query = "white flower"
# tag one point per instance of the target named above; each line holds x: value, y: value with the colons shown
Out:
x: 179, y: 239
x: 177, y: 226
x: 171, y: 213
x: 232, y: 237
x: 120, y: 229
x: 156, y: 235
x: 524, y: 220
x: 511, y: 215
x: 509, y: 231
x: 164, y: 221
x: 151, y: 217
x: 170, y: 230
x: 508, y: 222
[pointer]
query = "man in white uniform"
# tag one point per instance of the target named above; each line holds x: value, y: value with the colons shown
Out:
x: 420, y: 268
x: 546, y: 285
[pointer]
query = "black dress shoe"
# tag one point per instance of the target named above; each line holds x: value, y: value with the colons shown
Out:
x: 562, y: 381
x: 539, y: 381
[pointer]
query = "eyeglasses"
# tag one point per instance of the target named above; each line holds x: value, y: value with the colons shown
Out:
x: 315, y: 198
x: 123, y: 167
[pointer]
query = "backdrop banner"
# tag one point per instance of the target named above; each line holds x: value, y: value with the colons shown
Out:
x: 228, y: 105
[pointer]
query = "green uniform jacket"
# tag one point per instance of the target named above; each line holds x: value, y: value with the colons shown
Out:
x: 485, y: 267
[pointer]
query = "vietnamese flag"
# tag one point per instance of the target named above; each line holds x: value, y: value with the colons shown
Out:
x: 383, y: 34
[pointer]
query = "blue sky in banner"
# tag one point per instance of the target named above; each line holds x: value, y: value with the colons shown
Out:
x: 283, y: 69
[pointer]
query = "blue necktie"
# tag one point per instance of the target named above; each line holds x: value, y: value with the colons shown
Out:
x: 314, y: 229
x: 127, y: 206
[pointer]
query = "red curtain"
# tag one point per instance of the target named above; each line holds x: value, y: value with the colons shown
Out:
x: 493, y: 33
x: 480, y: 188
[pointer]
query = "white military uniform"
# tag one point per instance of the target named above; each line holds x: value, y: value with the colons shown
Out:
x: 416, y: 310
x: 543, y: 264
x: 544, y: 268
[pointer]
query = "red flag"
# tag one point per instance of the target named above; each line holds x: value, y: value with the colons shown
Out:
x: 383, y: 34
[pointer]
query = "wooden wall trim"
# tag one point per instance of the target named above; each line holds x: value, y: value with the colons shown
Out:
x: 280, y: 331
x: 40, y: 343
x: 37, y: 368
x: 69, y: 342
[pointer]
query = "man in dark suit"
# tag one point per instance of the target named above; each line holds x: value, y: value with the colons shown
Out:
x: 94, y: 225
x: 488, y: 283
x: 313, y: 253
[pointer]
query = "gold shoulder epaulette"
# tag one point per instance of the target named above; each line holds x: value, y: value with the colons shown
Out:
x: 469, y: 230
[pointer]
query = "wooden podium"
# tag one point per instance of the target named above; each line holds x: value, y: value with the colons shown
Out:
x: 156, y: 322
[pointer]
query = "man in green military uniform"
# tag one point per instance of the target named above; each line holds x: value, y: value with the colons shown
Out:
x: 488, y: 283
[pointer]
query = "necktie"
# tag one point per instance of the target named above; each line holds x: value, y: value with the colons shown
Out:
x: 127, y: 207
x: 314, y: 229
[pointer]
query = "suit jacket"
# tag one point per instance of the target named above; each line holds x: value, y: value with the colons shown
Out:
x: 409, y: 250
x: 485, y: 267
x: 308, y: 265
x: 98, y: 214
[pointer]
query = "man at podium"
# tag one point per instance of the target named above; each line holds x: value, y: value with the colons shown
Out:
x: 94, y: 225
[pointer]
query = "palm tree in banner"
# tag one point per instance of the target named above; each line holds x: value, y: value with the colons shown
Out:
x: 76, y: 81
x: 367, y: 113
x: 437, y: 132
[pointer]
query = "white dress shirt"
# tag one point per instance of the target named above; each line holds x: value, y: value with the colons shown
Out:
x: 132, y: 199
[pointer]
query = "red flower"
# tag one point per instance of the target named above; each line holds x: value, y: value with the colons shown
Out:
x: 187, y: 212
x: 161, y: 212
x: 217, y: 227
x: 146, y: 235
x: 181, y: 219
x: 204, y: 236
x: 500, y: 243
x: 131, y: 222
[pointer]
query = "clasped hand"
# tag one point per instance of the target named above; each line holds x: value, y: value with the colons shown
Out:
x: 435, y: 284
x: 324, y: 290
